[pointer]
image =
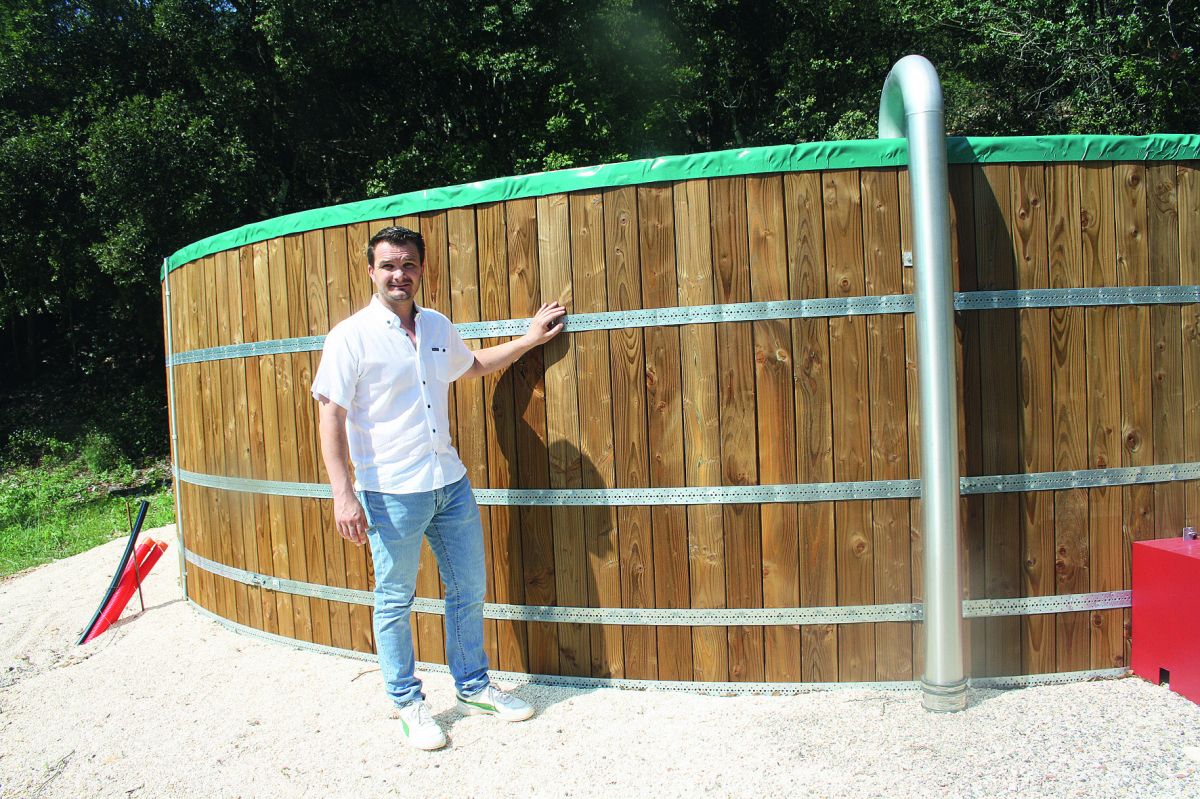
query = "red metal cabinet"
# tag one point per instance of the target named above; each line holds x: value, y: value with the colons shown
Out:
x: 1166, y: 614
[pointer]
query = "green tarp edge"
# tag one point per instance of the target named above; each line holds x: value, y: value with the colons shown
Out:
x: 862, y: 154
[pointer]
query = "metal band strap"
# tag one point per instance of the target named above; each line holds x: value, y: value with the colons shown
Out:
x: 691, y: 617
x: 673, y: 686
x: 249, y: 349
x: 755, y: 312
x: 734, y: 495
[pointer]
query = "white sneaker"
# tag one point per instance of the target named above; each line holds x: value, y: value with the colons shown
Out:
x: 419, y: 728
x: 491, y: 701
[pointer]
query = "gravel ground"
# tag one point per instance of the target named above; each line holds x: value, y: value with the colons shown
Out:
x: 170, y: 704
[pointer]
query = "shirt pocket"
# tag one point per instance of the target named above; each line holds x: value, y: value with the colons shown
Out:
x: 437, y: 357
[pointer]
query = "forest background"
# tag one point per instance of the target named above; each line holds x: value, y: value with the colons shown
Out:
x: 130, y: 128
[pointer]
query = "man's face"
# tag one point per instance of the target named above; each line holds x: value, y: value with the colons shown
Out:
x: 397, y: 271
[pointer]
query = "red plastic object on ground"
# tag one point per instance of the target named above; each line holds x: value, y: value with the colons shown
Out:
x: 144, y: 557
x: 1166, y: 614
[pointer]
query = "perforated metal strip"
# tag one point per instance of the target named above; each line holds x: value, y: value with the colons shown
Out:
x: 692, y: 617
x: 675, y: 686
x: 279, y: 346
x: 725, y: 495
x: 755, y: 312
x: 1084, y: 478
x: 1078, y: 297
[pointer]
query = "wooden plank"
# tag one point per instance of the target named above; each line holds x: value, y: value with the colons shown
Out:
x: 630, y: 464
x: 358, y: 559
x: 310, y: 315
x: 240, y: 265
x: 701, y: 431
x: 340, y: 554
x: 252, y: 258
x: 529, y: 405
x: 999, y: 413
x: 562, y: 428
x: 270, y: 300
x: 1038, y: 650
x: 203, y: 430
x: 851, y: 419
x: 888, y: 418
x: 218, y: 330
x: 814, y: 426
x: 190, y: 444
x: 185, y: 441
x: 471, y: 438
x: 208, y: 542
x: 739, y: 439
x: 1105, y: 534
x: 1072, y: 563
x: 664, y: 425
x: 590, y: 295
x: 325, y: 552
x: 361, y: 287
x: 288, y: 293
x: 1166, y: 331
x: 187, y: 392
x: 776, y: 408
x: 507, y: 581
x: 226, y: 310
x: 1189, y: 268
x: 1137, y: 441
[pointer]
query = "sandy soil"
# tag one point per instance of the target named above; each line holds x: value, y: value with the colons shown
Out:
x: 170, y: 704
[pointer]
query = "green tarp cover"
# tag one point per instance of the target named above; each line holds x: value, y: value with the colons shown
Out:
x: 748, y: 161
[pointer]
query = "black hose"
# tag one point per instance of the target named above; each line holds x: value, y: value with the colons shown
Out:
x: 112, y: 588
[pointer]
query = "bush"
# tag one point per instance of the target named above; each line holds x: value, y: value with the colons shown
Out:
x: 101, y: 454
x: 30, y: 446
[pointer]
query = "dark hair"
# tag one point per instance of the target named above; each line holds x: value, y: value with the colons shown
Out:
x: 396, y: 236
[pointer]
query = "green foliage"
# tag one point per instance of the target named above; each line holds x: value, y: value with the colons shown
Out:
x: 101, y: 454
x: 29, y: 447
x: 1021, y: 66
x: 129, y: 128
x: 54, y: 511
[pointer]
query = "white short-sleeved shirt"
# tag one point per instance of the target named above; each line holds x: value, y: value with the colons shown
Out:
x: 395, y: 396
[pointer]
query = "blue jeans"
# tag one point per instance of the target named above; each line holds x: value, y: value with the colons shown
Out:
x: 449, y: 517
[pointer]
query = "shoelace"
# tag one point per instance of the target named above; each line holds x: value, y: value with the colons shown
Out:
x: 500, y: 698
x: 423, y: 715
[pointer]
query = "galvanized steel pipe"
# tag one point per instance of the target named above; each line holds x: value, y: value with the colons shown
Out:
x: 911, y: 107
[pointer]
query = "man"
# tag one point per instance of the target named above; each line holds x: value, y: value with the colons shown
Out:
x: 382, y: 387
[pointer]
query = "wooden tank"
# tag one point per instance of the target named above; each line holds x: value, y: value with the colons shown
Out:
x: 711, y: 476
